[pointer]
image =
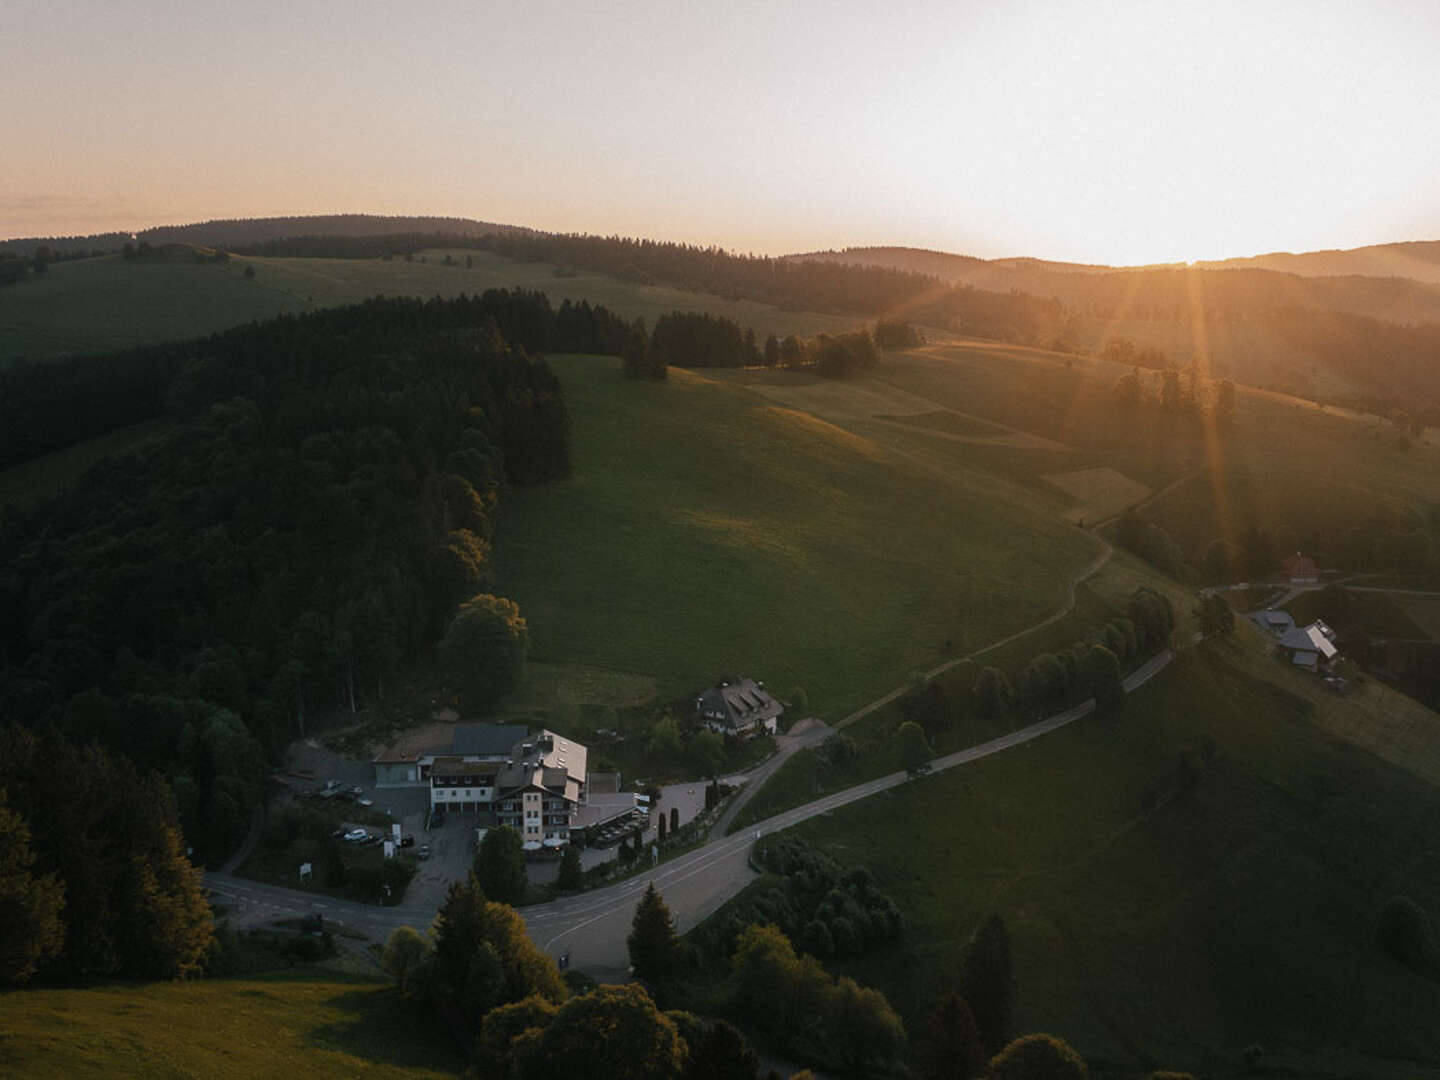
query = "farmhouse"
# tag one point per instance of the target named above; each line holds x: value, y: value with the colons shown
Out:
x: 738, y: 707
x: 535, y: 784
x: 1275, y: 623
x: 1311, y: 647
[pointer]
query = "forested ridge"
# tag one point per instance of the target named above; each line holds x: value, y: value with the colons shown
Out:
x: 322, y: 504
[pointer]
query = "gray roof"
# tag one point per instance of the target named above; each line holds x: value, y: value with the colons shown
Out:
x: 491, y: 740
x: 738, y: 704
x: 1310, y: 638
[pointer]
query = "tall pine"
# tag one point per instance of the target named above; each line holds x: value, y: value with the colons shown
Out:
x: 654, y: 948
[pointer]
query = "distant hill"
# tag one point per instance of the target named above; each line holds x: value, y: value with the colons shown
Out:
x: 233, y: 232
x: 1418, y: 260
x: 1237, y: 289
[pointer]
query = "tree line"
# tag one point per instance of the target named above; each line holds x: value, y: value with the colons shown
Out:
x: 320, y: 512
x: 46, y: 407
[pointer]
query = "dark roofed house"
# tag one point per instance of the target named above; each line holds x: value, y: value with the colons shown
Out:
x: 486, y: 742
x: 738, y: 707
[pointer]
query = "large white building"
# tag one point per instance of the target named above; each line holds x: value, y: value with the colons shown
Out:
x: 533, y: 783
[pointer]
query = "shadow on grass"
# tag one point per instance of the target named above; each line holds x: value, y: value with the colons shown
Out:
x: 382, y: 1027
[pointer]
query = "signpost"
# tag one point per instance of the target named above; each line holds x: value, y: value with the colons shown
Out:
x: 304, y: 870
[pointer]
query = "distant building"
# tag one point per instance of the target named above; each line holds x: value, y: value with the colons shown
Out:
x: 535, y: 784
x: 1300, y: 569
x: 739, y: 707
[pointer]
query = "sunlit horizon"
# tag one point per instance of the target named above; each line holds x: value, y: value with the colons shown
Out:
x: 1122, y: 134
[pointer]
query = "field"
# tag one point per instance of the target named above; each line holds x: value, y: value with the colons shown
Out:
x: 811, y: 774
x: 315, y: 1025
x: 1238, y: 913
x: 708, y: 531
x: 94, y: 305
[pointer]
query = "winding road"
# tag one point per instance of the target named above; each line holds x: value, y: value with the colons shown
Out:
x: 591, y: 927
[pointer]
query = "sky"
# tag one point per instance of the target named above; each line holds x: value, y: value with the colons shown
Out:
x: 1117, y: 132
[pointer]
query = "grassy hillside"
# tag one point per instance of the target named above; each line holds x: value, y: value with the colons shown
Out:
x: 92, y: 305
x: 223, y: 1028
x: 1235, y: 914
x: 708, y: 530
x: 26, y: 483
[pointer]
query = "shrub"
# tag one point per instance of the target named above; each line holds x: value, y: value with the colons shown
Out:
x: 1403, y: 932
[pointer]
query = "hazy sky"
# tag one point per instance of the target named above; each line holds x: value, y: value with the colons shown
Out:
x: 1115, y: 132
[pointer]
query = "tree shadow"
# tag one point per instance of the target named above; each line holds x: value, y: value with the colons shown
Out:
x: 382, y: 1027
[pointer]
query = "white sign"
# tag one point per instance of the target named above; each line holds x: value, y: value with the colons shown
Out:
x: 395, y: 828
x: 304, y: 870
x: 389, y: 849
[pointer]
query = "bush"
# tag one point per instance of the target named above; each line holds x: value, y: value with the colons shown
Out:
x: 1403, y: 932
x: 1038, y: 1057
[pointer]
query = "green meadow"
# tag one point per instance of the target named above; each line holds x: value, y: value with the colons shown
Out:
x: 104, y: 303
x: 316, y: 1025
x: 707, y: 530
x: 1238, y: 912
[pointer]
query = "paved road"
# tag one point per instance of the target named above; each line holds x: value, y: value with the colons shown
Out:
x: 592, y: 927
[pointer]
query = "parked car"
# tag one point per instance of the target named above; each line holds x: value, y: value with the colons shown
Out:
x: 423, y: 851
x: 372, y: 841
x: 354, y: 836
x: 338, y: 834
x: 364, y: 802
x: 407, y: 841
x: 437, y: 818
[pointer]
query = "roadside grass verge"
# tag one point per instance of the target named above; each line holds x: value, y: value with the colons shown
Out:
x: 231, y: 1029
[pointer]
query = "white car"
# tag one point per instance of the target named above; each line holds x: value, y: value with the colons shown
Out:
x: 356, y: 835
x: 364, y: 802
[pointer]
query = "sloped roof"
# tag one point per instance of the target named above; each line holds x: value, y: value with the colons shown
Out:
x: 494, y: 740
x: 1309, y: 639
x: 740, y: 703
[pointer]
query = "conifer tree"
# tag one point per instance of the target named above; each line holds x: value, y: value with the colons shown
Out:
x: 654, y: 948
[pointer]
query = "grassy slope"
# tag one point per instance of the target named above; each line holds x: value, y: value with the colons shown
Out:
x: 92, y: 305
x: 221, y: 1028
x: 1237, y: 914
x: 24, y: 484
x: 707, y: 531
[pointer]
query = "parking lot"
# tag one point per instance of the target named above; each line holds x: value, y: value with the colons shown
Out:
x: 452, y: 844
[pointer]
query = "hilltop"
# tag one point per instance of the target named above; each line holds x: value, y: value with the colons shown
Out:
x: 234, y: 232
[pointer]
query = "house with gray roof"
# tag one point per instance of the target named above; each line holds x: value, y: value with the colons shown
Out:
x: 1275, y: 623
x: 1311, y: 647
x: 739, y: 707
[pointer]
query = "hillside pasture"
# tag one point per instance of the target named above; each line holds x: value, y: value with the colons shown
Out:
x: 105, y: 303
x: 224, y: 1028
x: 706, y: 532
x: 1238, y: 911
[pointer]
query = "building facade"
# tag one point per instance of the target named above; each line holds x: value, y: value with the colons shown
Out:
x: 533, y: 783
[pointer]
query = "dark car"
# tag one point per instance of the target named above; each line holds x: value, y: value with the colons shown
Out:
x: 423, y: 851
x: 437, y: 818
x: 407, y: 841
x: 338, y: 834
x: 371, y: 841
